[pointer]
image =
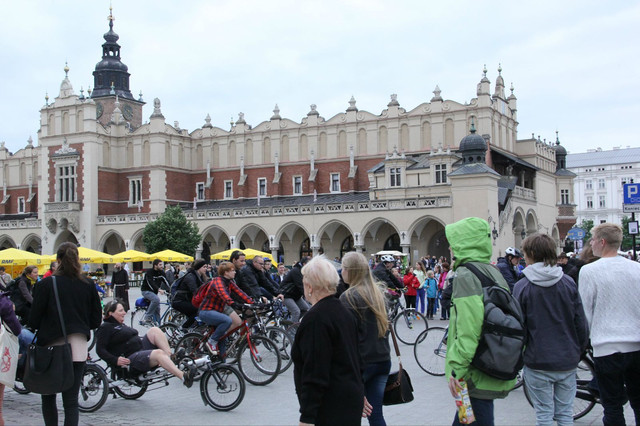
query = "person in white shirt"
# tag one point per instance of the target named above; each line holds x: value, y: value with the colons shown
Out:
x: 610, y: 291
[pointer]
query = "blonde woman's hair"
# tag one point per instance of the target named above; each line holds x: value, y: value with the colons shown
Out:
x: 361, y: 281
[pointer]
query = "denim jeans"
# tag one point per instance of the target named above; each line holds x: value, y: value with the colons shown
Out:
x: 552, y: 394
x: 482, y: 410
x: 219, y: 320
x: 614, y: 372
x: 296, y: 307
x: 375, y: 379
x: 153, y: 311
x: 420, y: 301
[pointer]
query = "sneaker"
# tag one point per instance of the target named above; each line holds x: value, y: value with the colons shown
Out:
x: 178, y: 355
x: 189, y: 374
x: 211, y: 346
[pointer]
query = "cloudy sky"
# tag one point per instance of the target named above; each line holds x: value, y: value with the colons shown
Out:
x: 574, y: 64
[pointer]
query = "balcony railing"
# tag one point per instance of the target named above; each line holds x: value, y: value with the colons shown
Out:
x: 526, y: 193
x: 62, y: 206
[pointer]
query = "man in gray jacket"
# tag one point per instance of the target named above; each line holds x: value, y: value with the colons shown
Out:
x: 557, y: 331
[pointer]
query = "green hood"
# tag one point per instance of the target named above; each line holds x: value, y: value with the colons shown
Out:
x: 470, y: 240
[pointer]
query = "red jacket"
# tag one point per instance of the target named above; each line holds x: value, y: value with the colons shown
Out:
x: 412, y: 283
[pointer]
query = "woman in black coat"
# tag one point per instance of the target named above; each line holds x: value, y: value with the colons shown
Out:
x: 80, y: 306
x: 325, y: 354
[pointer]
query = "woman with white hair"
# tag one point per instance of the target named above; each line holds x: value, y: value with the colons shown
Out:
x: 325, y: 353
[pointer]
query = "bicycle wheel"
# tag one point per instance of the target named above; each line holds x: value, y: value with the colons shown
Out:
x: 173, y: 333
x: 173, y: 316
x: 408, y: 324
x: 430, y: 350
x: 94, y: 389
x: 259, y: 361
x: 284, y: 343
x: 131, y: 390
x: 192, y: 344
x: 222, y: 387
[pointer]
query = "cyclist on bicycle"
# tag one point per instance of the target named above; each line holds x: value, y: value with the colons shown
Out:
x: 508, y: 266
x: 194, y: 278
x: 120, y: 346
x: 383, y: 272
x: 217, y: 307
x: 154, y: 280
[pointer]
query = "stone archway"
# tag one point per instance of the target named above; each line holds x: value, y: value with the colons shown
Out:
x: 532, y: 223
x: 376, y: 233
x: 32, y: 243
x: 7, y: 242
x: 112, y: 243
x: 294, y: 240
x: 518, y: 227
x: 216, y: 239
x: 63, y: 237
x: 427, y: 238
x: 251, y: 236
x: 332, y: 236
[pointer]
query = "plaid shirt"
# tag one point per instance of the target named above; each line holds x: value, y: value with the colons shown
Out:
x: 218, y: 297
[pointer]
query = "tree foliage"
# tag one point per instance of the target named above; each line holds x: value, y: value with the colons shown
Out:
x: 172, y: 231
x: 587, y: 225
x: 627, y: 239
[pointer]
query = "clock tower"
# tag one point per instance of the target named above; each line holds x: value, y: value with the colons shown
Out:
x: 111, y: 79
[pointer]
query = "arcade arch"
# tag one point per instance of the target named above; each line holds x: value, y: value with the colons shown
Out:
x: 427, y: 238
x: 377, y: 233
x: 32, y: 243
x: 216, y: 239
x: 291, y: 238
x: 332, y: 236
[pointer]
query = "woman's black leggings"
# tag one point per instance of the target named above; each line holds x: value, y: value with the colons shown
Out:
x: 69, y: 401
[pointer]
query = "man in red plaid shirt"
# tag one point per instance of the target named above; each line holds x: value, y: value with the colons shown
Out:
x: 217, y: 307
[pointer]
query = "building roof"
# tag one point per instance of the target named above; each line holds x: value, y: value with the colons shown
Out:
x: 603, y: 158
x: 473, y: 169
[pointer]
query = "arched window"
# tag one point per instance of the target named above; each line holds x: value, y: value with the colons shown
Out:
x: 146, y: 153
x: 425, y: 142
x: 80, y: 121
x: 342, y: 144
x: 167, y: 153
x: 130, y: 154
x: 404, y: 138
x: 284, y: 149
x: 106, y: 154
x: 231, y: 154
x: 322, y: 145
x: 23, y: 173
x: 181, y: 155
x: 65, y: 122
x: 362, y: 142
x: 248, y: 152
x: 448, y: 132
x: 382, y: 139
x: 215, y: 155
x: 199, y: 158
x: 266, y: 152
x: 303, y: 148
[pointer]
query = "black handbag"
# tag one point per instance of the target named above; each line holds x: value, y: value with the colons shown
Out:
x: 49, y: 369
x: 398, y: 389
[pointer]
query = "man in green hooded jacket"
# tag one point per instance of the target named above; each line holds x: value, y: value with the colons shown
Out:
x: 470, y: 242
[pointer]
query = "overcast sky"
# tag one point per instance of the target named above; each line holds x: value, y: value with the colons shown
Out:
x: 574, y: 64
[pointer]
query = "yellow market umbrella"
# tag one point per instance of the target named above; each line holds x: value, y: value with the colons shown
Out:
x: 132, y: 256
x: 249, y: 253
x: 12, y: 256
x: 171, y: 256
x: 88, y: 255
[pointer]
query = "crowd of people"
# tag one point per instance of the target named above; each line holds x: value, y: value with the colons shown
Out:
x: 341, y: 352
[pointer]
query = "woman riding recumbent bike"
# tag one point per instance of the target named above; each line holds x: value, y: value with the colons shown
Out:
x: 131, y: 373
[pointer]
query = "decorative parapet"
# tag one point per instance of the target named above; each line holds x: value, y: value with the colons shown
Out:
x: 127, y: 218
x: 526, y: 193
x: 63, y: 206
x: 20, y: 224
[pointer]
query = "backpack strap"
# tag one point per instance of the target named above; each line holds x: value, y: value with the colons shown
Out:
x: 486, y: 281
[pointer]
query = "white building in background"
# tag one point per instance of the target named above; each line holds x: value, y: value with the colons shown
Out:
x: 598, y: 185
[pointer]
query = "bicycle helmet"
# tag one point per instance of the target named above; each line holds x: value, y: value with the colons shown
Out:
x: 387, y: 258
x: 513, y: 252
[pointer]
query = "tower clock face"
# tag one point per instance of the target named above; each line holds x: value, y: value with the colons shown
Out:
x: 127, y: 112
x: 99, y: 109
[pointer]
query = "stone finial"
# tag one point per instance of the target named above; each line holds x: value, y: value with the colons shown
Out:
x: 207, y: 122
x: 313, y: 111
x: 436, y: 94
x: 499, y: 68
x: 46, y: 98
x: 81, y: 93
x: 394, y: 100
x: 157, y: 112
x: 176, y: 124
x: 113, y: 89
x: 66, y: 89
x: 30, y: 141
x: 352, y: 104
x: 276, y: 113
x: 140, y: 97
x: 66, y: 69
x: 241, y: 118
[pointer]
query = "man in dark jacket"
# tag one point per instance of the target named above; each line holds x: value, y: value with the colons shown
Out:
x: 382, y: 272
x: 255, y: 279
x: 154, y: 280
x: 554, y: 342
x: 191, y: 282
x: 293, y: 290
x: 508, y: 266
x: 567, y: 268
x: 120, y: 281
x: 239, y: 261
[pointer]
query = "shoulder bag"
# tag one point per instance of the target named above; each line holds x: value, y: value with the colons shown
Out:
x: 398, y: 389
x: 49, y: 369
x: 8, y: 356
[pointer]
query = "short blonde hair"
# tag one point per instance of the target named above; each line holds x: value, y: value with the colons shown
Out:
x: 321, y: 275
x: 430, y: 273
x: 610, y: 233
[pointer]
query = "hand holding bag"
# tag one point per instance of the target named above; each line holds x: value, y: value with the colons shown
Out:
x: 49, y: 369
x: 398, y: 389
x: 8, y: 356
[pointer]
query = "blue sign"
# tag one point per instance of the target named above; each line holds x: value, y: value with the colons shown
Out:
x: 631, y: 193
x: 576, y: 234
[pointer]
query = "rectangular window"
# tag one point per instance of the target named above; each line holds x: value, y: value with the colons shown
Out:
x: 589, y: 184
x: 21, y: 205
x: 262, y: 187
x: 589, y: 202
x: 602, y: 201
x: 603, y: 220
x: 66, y: 183
x: 564, y: 196
x: 441, y: 173
x: 200, y: 191
x: 395, y: 177
x: 335, y: 182
x: 297, y: 185
x: 601, y: 183
x: 228, y: 189
x: 135, y: 191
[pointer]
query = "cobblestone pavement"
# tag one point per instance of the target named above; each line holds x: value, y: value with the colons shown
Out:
x: 276, y: 404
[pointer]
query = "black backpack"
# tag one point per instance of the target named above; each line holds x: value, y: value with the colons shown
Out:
x: 500, y: 351
x: 175, y: 287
